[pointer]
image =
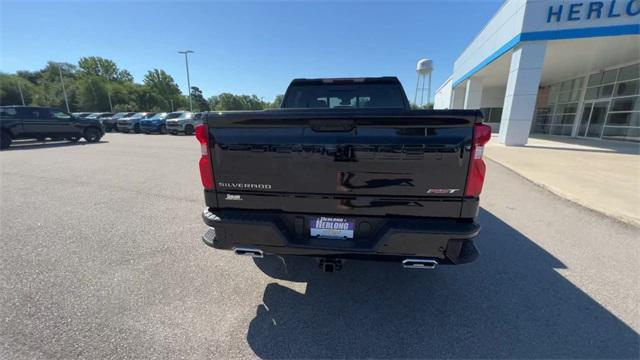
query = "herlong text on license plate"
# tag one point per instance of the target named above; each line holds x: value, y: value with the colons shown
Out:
x: 331, y: 227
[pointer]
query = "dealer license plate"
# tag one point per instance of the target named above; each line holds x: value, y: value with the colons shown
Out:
x: 331, y: 227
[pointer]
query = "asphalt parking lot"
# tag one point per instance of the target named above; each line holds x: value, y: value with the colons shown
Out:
x: 100, y: 257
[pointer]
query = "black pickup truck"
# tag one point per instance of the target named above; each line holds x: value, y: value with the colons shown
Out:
x: 40, y: 123
x: 345, y: 169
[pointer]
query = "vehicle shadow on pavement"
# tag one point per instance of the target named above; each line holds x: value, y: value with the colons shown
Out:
x: 510, y: 303
x: 31, y: 145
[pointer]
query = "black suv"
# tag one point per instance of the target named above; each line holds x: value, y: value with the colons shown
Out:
x: 32, y: 122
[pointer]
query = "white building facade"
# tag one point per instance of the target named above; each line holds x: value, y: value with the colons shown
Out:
x: 569, y: 68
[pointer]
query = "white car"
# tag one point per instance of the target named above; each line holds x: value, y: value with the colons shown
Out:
x: 132, y: 123
x: 182, y: 121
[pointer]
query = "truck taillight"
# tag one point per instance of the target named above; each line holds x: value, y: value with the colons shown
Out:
x: 477, y: 168
x: 206, y: 167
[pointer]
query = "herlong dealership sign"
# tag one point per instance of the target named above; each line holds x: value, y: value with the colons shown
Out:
x: 592, y: 10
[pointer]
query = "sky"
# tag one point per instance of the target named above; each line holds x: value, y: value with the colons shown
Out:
x: 245, y: 47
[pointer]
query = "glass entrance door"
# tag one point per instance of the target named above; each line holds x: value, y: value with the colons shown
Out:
x: 594, y: 115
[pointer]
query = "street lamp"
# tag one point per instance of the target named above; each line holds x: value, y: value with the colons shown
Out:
x: 21, y: 95
x: 186, y: 61
x: 64, y: 91
x: 106, y: 76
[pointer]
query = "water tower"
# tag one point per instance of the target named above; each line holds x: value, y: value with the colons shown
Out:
x: 424, y: 69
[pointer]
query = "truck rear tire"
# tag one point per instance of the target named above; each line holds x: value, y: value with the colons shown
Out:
x: 163, y: 129
x: 92, y: 135
x: 5, y: 141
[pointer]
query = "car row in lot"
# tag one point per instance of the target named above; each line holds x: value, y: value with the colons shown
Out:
x: 147, y: 122
x: 44, y: 123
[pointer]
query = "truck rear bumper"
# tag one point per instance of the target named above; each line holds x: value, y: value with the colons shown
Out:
x: 448, y: 241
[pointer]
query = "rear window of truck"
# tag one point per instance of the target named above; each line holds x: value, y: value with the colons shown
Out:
x: 345, y: 96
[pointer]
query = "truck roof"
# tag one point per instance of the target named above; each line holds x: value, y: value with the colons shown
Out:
x: 368, y: 80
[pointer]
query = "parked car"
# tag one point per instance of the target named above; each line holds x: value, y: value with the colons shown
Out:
x: 81, y: 114
x: 156, y: 123
x: 132, y: 123
x: 41, y: 123
x: 345, y: 170
x: 100, y: 115
x: 110, y: 123
x: 181, y: 121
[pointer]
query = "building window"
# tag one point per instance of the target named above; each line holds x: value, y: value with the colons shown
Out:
x: 610, y: 110
x: 492, y: 115
x: 620, y: 88
x: 557, y: 114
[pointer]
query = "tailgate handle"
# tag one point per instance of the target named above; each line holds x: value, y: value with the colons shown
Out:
x: 332, y: 126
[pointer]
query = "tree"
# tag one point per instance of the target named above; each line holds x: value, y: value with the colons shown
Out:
x: 125, y: 96
x: 10, y: 90
x: 104, y: 68
x: 199, y: 102
x: 93, y: 94
x: 125, y: 75
x: 31, y: 76
x: 227, y: 101
x: 163, y: 86
x: 427, y: 106
x: 50, y: 86
x: 277, y: 102
x: 89, y: 84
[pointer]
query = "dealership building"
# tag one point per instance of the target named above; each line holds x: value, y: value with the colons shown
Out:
x: 568, y: 68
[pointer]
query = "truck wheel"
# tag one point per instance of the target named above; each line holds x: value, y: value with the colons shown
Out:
x: 92, y: 135
x: 5, y: 141
x: 136, y: 129
x: 188, y: 129
x: 290, y: 268
x: 163, y: 129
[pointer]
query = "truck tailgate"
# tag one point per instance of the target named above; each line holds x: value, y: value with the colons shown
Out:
x: 356, y: 162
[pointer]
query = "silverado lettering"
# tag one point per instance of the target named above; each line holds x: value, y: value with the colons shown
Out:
x: 244, y: 186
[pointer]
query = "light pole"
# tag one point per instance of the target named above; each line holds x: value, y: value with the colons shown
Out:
x: 21, y: 96
x: 106, y: 76
x: 186, y: 61
x: 64, y: 91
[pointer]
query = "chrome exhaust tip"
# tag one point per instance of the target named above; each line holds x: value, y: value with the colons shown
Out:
x: 419, y: 264
x: 256, y: 253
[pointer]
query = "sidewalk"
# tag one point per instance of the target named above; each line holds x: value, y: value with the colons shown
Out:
x: 601, y: 175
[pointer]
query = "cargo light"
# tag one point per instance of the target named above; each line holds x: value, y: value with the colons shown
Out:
x: 206, y: 167
x: 477, y: 168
